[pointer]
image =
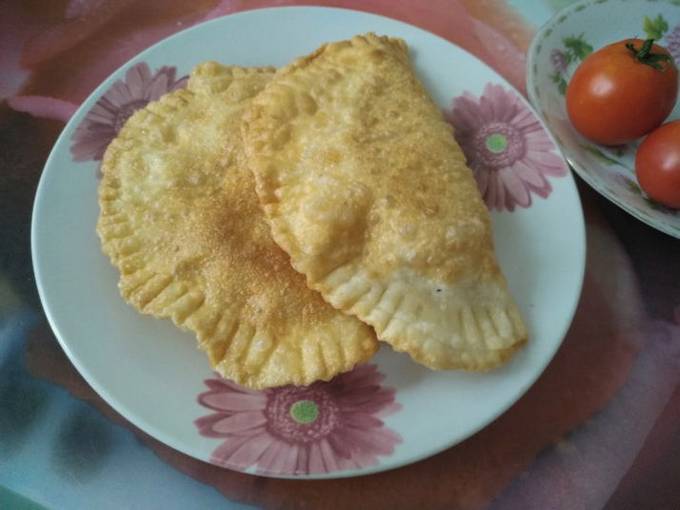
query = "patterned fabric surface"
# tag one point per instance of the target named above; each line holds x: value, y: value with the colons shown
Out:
x: 600, y: 428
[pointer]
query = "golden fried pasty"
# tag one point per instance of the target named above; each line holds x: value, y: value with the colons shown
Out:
x: 365, y: 187
x: 181, y: 221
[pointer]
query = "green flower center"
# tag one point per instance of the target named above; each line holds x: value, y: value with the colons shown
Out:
x: 304, y: 411
x: 496, y: 143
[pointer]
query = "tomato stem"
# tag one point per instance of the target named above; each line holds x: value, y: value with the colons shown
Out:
x: 645, y: 56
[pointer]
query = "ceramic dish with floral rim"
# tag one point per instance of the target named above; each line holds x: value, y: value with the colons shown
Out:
x: 382, y: 415
x: 555, y: 53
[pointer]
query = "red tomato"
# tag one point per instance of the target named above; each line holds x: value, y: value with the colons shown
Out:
x: 622, y: 91
x: 657, y: 164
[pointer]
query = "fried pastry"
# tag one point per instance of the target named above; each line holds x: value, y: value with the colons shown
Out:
x: 181, y: 221
x: 365, y: 187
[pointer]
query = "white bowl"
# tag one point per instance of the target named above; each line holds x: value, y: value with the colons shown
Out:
x: 554, y: 55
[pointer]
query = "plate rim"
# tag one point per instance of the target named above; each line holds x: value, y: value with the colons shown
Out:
x: 590, y: 179
x: 171, y: 440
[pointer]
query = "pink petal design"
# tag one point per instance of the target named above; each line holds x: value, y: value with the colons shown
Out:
x: 501, y: 202
x: 379, y: 402
x: 358, y: 392
x: 539, y: 141
x: 234, y: 402
x: 358, y: 441
x: 482, y: 177
x: 673, y: 39
x: 43, y: 107
x: 302, y: 463
x: 389, y: 409
x: 222, y: 454
x: 507, y: 178
x: 239, y: 422
x: 136, y: 79
x: 330, y: 460
x: 381, y: 444
x: 528, y: 173
x: 289, y: 459
x: 466, y: 121
x: 525, y: 121
x: 550, y: 163
x: 102, y: 122
x: 504, y: 104
x: 102, y: 114
x: 341, y: 448
x: 158, y: 86
x: 486, y: 107
x: 544, y: 190
x: 278, y: 462
x: 206, y: 424
x: 259, y: 428
x: 221, y: 384
x: 180, y: 83
x: 251, y: 450
x: 515, y: 187
x: 119, y: 94
x: 490, y: 196
x: 267, y: 462
x: 465, y: 113
x: 362, y: 421
x: 351, y: 463
x: 316, y: 464
x: 387, y: 439
x: 361, y: 459
x: 362, y: 376
x: 505, y: 108
x: 91, y: 145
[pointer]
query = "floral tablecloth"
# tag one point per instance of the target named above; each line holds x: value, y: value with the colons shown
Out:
x: 600, y: 429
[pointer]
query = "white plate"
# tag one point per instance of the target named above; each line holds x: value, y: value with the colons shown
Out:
x: 554, y: 55
x: 152, y: 373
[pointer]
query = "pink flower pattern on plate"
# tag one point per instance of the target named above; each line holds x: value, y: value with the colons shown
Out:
x: 293, y: 430
x: 505, y: 146
x: 673, y: 45
x: 102, y: 123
